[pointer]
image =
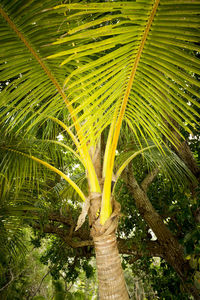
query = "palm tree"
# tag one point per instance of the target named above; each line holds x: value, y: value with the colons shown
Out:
x: 89, y: 68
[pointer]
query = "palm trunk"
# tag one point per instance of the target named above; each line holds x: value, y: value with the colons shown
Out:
x: 110, y: 274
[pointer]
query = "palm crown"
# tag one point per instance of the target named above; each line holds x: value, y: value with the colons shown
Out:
x: 101, y: 64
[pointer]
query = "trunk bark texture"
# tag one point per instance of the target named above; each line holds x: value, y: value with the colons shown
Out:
x: 110, y: 274
x: 184, y: 152
x: 172, y: 251
x: 182, y: 149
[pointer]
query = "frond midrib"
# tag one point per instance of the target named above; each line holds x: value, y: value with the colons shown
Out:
x: 35, y: 55
x: 52, y: 78
x: 106, y: 205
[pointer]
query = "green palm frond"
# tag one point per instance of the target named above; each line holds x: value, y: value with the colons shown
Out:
x: 134, y: 62
x: 31, y: 161
x: 169, y: 164
x: 101, y: 45
x: 129, y: 158
x: 34, y: 86
x: 11, y: 239
x: 16, y: 168
x: 134, y: 56
x: 80, y: 179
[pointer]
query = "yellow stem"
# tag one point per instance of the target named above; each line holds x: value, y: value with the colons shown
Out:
x: 111, y: 155
x: 91, y: 171
x: 52, y: 168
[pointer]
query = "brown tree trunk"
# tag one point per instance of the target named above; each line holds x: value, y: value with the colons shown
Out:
x: 110, y: 274
x: 172, y: 251
x: 182, y: 149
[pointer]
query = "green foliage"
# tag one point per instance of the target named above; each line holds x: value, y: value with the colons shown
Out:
x: 69, y: 262
x: 75, y: 296
x: 23, y: 274
x: 59, y: 290
x: 165, y: 282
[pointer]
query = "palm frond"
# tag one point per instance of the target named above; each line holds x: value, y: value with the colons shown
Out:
x: 141, y: 52
x: 11, y: 241
x: 168, y: 163
x: 22, y: 161
x: 34, y: 91
x: 130, y: 158
x: 118, y: 48
x: 34, y: 86
x: 80, y: 179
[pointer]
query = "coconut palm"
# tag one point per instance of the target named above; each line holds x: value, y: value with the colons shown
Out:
x: 90, y: 67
